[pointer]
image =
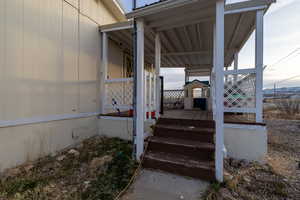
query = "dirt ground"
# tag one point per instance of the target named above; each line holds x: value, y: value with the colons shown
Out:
x: 277, y: 179
x: 99, y: 168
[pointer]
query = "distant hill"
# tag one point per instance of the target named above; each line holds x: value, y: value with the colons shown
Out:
x: 283, y: 91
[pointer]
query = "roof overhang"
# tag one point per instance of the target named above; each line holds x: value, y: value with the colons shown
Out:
x: 115, y: 7
x: 171, y: 4
x: 159, y: 7
x: 187, y: 42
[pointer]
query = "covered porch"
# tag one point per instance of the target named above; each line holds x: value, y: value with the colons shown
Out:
x: 206, y: 41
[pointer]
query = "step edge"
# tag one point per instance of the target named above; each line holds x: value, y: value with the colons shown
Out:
x: 201, y: 165
x: 202, y: 129
x: 210, y: 146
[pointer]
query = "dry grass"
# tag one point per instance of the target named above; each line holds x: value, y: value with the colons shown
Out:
x: 278, y: 179
x: 99, y: 168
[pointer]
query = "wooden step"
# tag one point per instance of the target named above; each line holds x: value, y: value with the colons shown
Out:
x: 192, y: 149
x: 205, y: 135
x: 180, y: 165
x: 187, y: 122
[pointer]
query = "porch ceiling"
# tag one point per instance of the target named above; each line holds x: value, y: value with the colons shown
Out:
x: 186, y: 32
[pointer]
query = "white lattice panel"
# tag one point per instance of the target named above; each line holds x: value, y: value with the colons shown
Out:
x: 239, y: 91
x: 173, y: 99
x: 121, y: 92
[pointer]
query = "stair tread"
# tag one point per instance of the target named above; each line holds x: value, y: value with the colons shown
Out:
x: 180, y: 160
x: 195, y: 122
x: 183, y: 142
x: 185, y: 128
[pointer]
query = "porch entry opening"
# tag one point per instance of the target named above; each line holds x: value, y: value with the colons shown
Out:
x: 198, y: 101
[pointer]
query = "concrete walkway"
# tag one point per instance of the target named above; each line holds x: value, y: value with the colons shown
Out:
x: 154, y: 185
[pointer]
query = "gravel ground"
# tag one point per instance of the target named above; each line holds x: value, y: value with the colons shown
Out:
x: 277, y: 179
x: 284, y: 152
x: 97, y: 169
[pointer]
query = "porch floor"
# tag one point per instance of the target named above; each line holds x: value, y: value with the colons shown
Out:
x: 197, y: 114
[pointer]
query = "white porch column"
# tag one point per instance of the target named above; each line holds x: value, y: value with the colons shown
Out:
x: 236, y: 61
x: 104, y: 70
x: 236, y: 65
x: 140, y: 91
x: 186, y: 78
x: 259, y: 50
x: 226, y: 76
x: 219, y: 70
x: 150, y: 94
x: 145, y: 94
x: 157, y: 72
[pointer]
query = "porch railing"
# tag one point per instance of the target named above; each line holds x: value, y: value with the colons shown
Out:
x: 118, y: 95
x: 173, y: 99
x: 240, y: 91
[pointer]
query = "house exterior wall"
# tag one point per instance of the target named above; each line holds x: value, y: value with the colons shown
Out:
x: 49, y: 63
x: 120, y: 127
x: 247, y: 142
x: 115, y: 61
x: 20, y: 144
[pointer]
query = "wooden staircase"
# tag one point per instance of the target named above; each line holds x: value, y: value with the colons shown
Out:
x: 183, y: 147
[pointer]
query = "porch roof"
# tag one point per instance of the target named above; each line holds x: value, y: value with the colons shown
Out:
x: 186, y: 31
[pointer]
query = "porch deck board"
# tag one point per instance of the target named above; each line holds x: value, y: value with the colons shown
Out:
x: 204, y: 115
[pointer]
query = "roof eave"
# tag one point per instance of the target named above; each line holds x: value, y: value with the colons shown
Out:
x: 115, y: 7
x: 158, y: 7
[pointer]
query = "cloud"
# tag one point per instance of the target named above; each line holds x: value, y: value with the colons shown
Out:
x: 280, y: 4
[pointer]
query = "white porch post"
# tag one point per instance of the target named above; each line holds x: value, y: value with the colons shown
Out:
x: 157, y: 71
x: 236, y: 61
x: 219, y: 70
x: 104, y: 70
x: 259, y: 49
x: 140, y: 91
x: 235, y: 65
x: 150, y: 94
x: 186, y: 78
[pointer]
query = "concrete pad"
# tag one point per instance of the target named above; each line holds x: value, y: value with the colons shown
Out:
x: 158, y: 185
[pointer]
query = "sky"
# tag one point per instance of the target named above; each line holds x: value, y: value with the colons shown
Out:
x: 282, y: 37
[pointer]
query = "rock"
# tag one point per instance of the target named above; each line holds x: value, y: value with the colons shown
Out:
x: 87, y: 182
x: 265, y: 167
x: 244, y: 163
x: 181, y: 197
x: 61, y: 158
x: 247, y: 179
x: 28, y: 167
x: 234, y: 163
x: 74, y: 152
x: 99, y: 161
x: 226, y: 194
x: 13, y: 172
x: 227, y: 176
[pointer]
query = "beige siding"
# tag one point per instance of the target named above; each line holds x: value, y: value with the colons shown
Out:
x: 50, y: 57
x: 27, y: 143
x: 49, y: 63
x: 96, y: 10
x: 115, y: 57
x: 88, y: 65
x: 71, y: 61
x: 74, y: 3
